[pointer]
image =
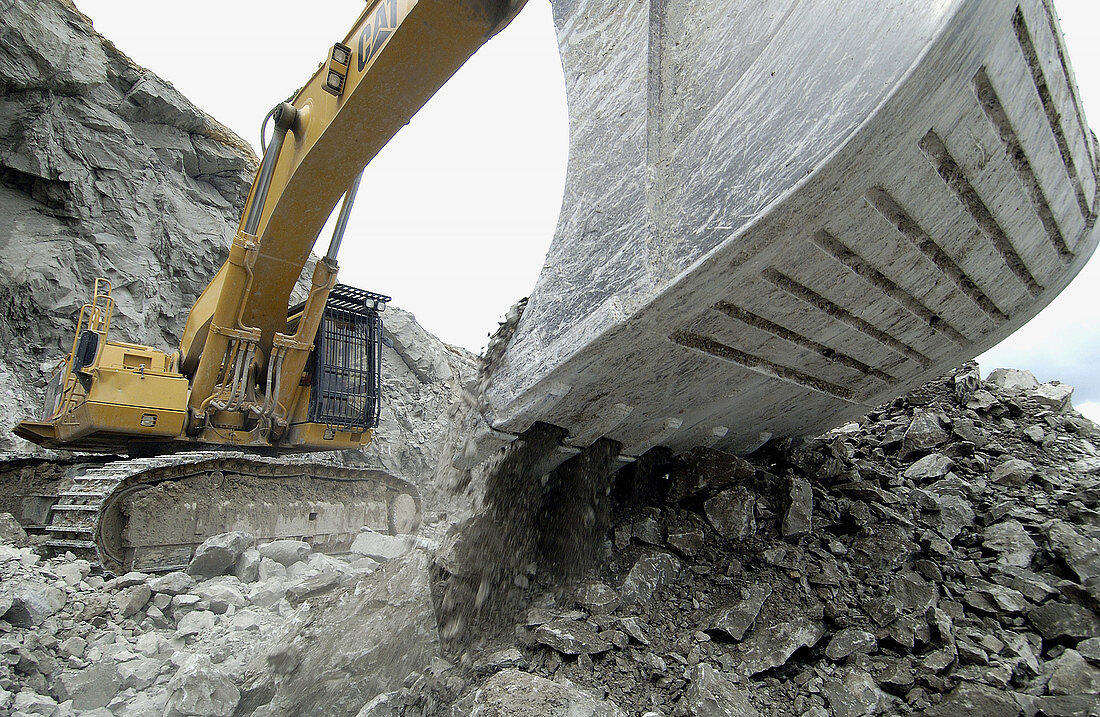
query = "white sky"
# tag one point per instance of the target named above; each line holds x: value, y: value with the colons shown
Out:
x: 455, y: 216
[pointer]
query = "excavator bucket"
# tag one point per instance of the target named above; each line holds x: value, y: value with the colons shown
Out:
x: 781, y: 213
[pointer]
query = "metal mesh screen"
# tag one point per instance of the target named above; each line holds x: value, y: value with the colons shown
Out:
x: 347, y: 367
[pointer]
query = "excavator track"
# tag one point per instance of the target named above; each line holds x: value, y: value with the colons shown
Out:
x: 150, y: 514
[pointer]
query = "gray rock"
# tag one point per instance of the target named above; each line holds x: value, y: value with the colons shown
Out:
x: 1011, y: 542
x: 501, y: 660
x: 266, y: 594
x: 647, y: 530
x: 171, y: 583
x: 200, y: 688
x: 1011, y: 379
x: 651, y: 572
x: 1035, y: 433
x: 655, y: 664
x: 519, y: 694
x: 139, y: 673
x: 1073, y: 675
x: 705, y: 472
x: 798, y: 520
x: 734, y: 621
x: 72, y: 573
x: 633, y: 627
x: 11, y: 531
x: 270, y: 570
x: 420, y: 351
x: 247, y: 568
x: 128, y: 580
x: 129, y: 601
x: 32, y: 603
x: 218, y: 554
x: 772, y: 647
x: 855, y: 695
x: 220, y: 595
x: 982, y: 400
x: 285, y: 552
x: 850, y: 641
x: 152, y: 644
x: 929, y: 468
x: 924, y: 432
x: 571, y: 637
x: 597, y: 598
x: 954, y: 515
x: 1014, y: 472
x: 362, y: 643
x: 195, y: 622
x: 1067, y: 706
x: 1056, y: 621
x: 975, y: 699
x: 319, y: 584
x: 732, y: 513
x: 379, y: 545
x: 90, y: 688
x: 711, y: 694
x: 1054, y: 395
x: 1080, y: 553
x: 896, y: 676
x: 388, y: 704
x: 29, y: 702
x: 73, y: 646
x: 686, y: 541
x: 1090, y: 649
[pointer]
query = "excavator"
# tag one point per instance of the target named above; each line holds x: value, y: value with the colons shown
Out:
x: 758, y: 242
x: 252, y: 373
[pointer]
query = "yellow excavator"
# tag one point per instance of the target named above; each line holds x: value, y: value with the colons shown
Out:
x: 251, y: 371
x: 765, y: 236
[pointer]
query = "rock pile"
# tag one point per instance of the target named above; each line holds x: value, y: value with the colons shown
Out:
x: 941, y: 556
x: 182, y: 643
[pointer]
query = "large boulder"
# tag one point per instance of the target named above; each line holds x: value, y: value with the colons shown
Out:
x: 11, y: 531
x: 358, y: 643
x: 201, y: 688
x: 652, y: 571
x: 512, y: 693
x: 1013, y: 379
x: 218, y: 554
x: 733, y: 513
x: 372, y: 544
x: 712, y: 694
x: 31, y: 603
x: 89, y: 688
x: 285, y: 552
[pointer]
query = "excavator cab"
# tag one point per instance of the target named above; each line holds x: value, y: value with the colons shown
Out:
x: 345, y: 369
